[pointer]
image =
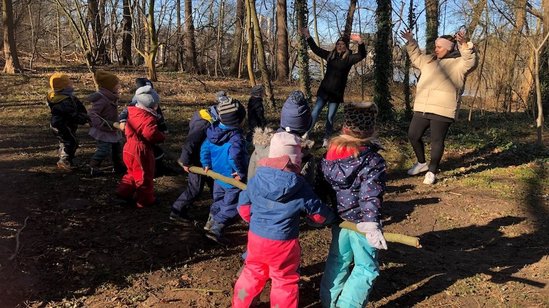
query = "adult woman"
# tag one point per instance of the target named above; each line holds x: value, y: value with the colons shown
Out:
x: 331, y: 89
x: 437, y: 95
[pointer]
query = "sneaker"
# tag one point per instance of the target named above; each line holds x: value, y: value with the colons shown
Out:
x: 418, y: 168
x: 430, y: 178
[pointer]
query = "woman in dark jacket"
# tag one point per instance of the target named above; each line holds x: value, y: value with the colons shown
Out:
x: 339, y: 62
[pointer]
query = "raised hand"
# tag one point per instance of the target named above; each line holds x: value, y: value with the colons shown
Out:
x: 356, y: 37
x: 407, y: 35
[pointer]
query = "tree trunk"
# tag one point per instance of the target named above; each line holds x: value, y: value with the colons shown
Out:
x: 150, y: 55
x: 265, y: 78
x: 12, y: 65
x: 180, y: 56
x: 96, y: 16
x: 432, y: 16
x: 219, y: 43
x: 249, y: 55
x: 520, y: 17
x: 317, y: 38
x: 408, y: 66
x: 236, y: 48
x: 302, y: 55
x: 349, y: 20
x: 282, y: 64
x: 127, y: 33
x: 190, y: 46
x: 383, y: 60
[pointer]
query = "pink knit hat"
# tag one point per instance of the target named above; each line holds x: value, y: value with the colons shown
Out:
x: 284, y: 143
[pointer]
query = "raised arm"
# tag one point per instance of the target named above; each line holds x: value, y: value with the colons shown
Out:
x: 314, y: 47
x: 416, y: 57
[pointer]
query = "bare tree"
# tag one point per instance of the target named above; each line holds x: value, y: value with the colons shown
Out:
x: 250, y: 46
x: 302, y: 55
x: 432, y: 16
x: 265, y: 78
x: 10, y: 48
x: 190, y: 45
x: 236, y: 49
x: 151, y: 47
x: 282, y: 57
x: 127, y: 33
x: 349, y: 20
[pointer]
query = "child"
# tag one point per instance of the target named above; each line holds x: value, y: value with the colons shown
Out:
x: 256, y: 112
x: 224, y: 151
x: 142, y: 133
x: 104, y: 118
x: 160, y: 121
x: 295, y: 119
x: 67, y: 112
x: 272, y: 204
x: 357, y: 174
x: 190, y: 156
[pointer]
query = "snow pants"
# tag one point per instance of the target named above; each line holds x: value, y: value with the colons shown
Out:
x: 341, y: 286
x: 137, y: 183
x: 277, y: 260
x: 225, y: 201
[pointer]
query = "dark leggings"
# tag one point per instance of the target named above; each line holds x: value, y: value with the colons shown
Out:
x: 418, y: 126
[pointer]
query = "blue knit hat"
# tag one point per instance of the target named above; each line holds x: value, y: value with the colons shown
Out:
x: 296, y: 114
x: 146, y: 96
x: 231, y: 112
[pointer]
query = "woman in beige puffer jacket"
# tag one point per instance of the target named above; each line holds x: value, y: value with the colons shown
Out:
x: 437, y: 95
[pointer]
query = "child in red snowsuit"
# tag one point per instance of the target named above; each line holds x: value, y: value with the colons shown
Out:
x: 141, y: 134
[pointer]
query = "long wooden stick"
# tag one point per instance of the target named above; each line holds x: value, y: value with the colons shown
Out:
x: 389, y: 237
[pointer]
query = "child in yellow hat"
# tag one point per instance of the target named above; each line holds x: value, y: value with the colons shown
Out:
x: 67, y: 112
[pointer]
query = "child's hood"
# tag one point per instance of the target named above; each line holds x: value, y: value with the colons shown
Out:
x: 219, y: 134
x: 274, y: 184
x: 54, y: 98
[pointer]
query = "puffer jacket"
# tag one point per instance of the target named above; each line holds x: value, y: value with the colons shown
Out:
x: 332, y: 87
x: 141, y: 130
x: 224, y: 151
x: 67, y: 112
x: 359, y: 183
x: 441, y: 81
x: 199, y: 123
x: 102, y: 114
x: 274, y: 199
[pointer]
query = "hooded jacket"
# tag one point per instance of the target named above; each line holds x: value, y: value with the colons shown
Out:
x: 102, y: 114
x: 66, y: 111
x: 359, y: 183
x: 274, y: 199
x: 333, y: 85
x: 199, y: 123
x: 442, y: 80
x: 224, y: 151
x: 141, y: 129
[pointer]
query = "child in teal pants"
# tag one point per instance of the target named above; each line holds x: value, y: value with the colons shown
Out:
x: 357, y: 173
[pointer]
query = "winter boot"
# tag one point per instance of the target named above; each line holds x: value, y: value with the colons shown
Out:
x: 216, y: 233
x: 209, y: 223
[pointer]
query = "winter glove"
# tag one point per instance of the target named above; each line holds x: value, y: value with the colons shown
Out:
x: 374, y: 235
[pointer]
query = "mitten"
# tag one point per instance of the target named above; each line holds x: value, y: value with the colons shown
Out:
x: 373, y: 233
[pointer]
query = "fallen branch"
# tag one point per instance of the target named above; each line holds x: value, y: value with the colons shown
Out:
x: 17, y: 243
x: 198, y: 290
x: 389, y: 237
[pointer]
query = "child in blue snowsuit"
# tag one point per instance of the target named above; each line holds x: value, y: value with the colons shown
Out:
x: 224, y: 151
x: 272, y: 204
x: 357, y: 173
x: 200, y: 121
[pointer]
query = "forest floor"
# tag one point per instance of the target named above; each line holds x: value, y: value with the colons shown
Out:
x: 484, y: 226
